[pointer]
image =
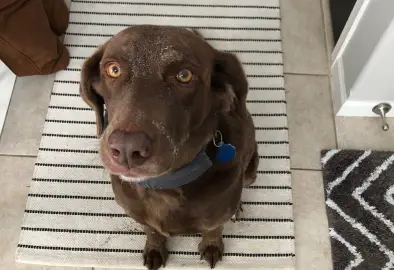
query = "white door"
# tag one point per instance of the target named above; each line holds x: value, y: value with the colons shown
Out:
x: 363, y: 60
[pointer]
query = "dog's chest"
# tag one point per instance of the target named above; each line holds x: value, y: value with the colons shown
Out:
x: 169, y: 212
x: 165, y: 211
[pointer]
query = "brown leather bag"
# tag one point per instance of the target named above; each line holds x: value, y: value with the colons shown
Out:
x: 29, y: 30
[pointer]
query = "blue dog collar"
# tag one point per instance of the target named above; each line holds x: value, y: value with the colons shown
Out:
x: 181, y: 177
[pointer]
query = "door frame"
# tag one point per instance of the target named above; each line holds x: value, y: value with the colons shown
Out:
x: 347, y: 80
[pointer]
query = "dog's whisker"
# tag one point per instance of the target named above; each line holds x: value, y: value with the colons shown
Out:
x: 161, y: 128
x: 104, y: 175
x: 96, y: 159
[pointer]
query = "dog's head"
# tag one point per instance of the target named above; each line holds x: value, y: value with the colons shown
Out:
x: 163, y: 89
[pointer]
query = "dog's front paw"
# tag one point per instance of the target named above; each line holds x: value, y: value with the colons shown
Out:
x: 155, y: 257
x: 211, y: 253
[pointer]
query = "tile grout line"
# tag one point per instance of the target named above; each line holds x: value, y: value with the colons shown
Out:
x: 325, y: 35
x: 328, y: 55
x: 305, y: 74
x: 308, y: 170
x: 17, y: 155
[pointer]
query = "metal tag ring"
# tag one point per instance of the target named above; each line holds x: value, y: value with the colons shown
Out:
x: 219, y: 136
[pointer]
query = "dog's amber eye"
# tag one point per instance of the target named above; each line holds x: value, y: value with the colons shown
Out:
x: 113, y: 70
x: 184, y: 76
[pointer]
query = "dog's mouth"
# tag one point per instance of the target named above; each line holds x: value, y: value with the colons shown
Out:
x: 131, y: 177
x: 124, y: 171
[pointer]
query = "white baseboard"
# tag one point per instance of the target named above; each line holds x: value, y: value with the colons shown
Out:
x: 7, y: 81
x: 363, y: 108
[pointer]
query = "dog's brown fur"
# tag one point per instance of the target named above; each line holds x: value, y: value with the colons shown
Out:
x: 182, y: 120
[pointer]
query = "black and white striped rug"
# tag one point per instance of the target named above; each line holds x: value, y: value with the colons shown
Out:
x: 360, y: 208
x: 71, y: 217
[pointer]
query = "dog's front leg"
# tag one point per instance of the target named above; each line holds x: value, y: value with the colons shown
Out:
x: 211, y: 247
x: 155, y: 252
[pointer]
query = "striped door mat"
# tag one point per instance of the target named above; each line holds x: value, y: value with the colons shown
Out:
x: 71, y: 217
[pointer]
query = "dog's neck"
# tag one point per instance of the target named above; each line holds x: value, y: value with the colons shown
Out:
x: 178, y: 178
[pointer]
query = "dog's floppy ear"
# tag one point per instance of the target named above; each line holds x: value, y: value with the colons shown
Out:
x: 90, y: 79
x: 229, y: 83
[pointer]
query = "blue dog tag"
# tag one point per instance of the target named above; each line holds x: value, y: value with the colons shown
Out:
x: 226, y: 152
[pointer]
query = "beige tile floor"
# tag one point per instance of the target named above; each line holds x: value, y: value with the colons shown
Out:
x: 306, y: 43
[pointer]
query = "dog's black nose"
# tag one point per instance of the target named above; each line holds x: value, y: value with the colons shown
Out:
x: 131, y: 149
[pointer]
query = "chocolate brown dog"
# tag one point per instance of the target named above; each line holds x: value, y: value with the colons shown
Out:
x: 170, y: 110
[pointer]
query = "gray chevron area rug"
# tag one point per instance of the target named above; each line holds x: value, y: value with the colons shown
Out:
x: 359, y: 188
